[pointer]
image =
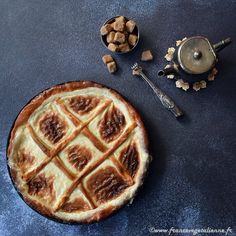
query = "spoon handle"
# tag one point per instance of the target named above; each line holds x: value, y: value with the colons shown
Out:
x: 166, y: 101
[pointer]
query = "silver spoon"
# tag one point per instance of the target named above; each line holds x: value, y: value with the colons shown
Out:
x: 166, y: 101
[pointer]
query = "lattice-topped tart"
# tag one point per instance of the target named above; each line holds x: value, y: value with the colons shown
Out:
x: 78, y: 152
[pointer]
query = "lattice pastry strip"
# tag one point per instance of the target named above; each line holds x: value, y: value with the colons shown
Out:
x: 78, y: 136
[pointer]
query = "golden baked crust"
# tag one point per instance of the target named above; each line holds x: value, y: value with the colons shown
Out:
x: 78, y: 152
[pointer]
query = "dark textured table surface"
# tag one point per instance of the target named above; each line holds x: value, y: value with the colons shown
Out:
x: 192, y: 179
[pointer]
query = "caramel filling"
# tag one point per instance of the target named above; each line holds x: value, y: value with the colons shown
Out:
x: 112, y: 124
x: 25, y: 160
x: 76, y: 205
x: 129, y: 157
x: 106, y: 184
x: 52, y: 127
x: 78, y: 156
x: 83, y: 104
x: 42, y: 186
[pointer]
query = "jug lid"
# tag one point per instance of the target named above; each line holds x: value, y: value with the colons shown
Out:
x: 196, y: 55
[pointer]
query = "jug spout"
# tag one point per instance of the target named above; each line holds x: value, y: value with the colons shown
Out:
x: 222, y: 44
x: 168, y: 71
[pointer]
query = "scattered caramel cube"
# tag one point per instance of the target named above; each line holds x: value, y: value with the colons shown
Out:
x: 110, y: 37
x: 111, y: 66
x: 119, y: 37
x: 118, y: 25
x: 132, y: 39
x: 124, y: 47
x: 130, y: 26
x: 105, y: 29
x: 107, y: 58
x: 146, y: 56
x: 113, y: 47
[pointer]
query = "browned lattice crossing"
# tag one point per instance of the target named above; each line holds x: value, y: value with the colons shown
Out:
x: 82, y: 127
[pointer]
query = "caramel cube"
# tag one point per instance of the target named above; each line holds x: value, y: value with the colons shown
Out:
x: 111, y: 66
x: 113, y: 47
x: 105, y: 29
x: 120, y: 18
x: 107, y: 58
x: 119, y: 37
x: 146, y: 56
x: 130, y: 25
x: 118, y: 25
x: 124, y: 47
x: 132, y: 39
x: 110, y: 37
